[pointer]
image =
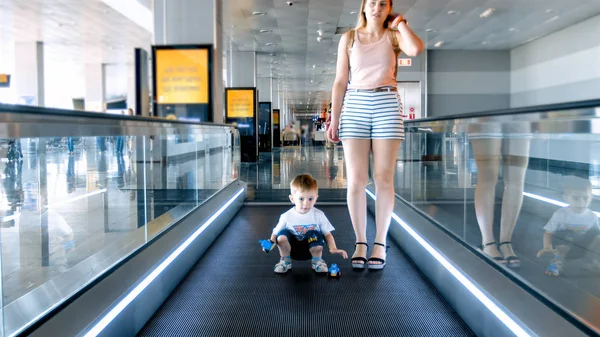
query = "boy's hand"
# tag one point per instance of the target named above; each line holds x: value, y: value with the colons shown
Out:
x: 267, y: 245
x: 339, y: 251
x: 546, y: 250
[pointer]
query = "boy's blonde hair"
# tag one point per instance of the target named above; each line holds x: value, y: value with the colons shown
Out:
x: 304, y: 182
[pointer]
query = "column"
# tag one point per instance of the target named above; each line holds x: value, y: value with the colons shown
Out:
x: 265, y: 89
x: 275, y: 93
x: 131, y: 92
x: 276, y: 134
x: 29, y: 73
x: 194, y: 22
x: 95, y: 87
x: 243, y: 69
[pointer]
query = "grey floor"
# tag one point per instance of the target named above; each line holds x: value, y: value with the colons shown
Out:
x: 233, y: 291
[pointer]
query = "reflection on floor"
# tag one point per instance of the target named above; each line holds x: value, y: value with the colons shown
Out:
x: 269, y: 179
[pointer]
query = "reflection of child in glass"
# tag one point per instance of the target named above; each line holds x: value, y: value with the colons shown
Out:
x: 575, y: 224
x: 303, y: 230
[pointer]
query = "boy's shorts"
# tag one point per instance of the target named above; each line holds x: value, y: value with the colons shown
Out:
x: 300, y: 248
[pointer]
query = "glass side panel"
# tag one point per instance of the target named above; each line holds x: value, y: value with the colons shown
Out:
x: 72, y: 207
x: 527, y: 201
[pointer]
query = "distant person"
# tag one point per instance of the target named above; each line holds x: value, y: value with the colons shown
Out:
x: 119, y: 142
x: 302, y: 231
x: 575, y: 225
x: 367, y: 110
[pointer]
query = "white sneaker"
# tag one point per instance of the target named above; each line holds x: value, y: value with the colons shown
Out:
x: 319, y: 266
x: 283, y: 266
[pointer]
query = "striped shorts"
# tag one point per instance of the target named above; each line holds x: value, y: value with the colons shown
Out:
x: 372, y: 115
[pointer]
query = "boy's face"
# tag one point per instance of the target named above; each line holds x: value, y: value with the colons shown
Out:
x: 579, y: 199
x: 304, y: 200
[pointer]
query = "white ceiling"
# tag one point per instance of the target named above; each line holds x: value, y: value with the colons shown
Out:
x: 76, y: 32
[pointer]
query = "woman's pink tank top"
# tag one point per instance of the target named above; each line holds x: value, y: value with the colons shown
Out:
x: 372, y: 65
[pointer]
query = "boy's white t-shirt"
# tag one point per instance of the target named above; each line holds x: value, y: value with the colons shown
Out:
x: 566, y: 219
x: 298, y: 224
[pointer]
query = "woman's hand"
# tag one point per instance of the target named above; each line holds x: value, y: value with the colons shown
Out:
x: 332, y: 132
x: 396, y: 22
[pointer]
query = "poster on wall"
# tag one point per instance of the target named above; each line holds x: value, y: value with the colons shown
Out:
x: 276, y: 129
x: 4, y: 80
x: 241, y: 110
x: 182, y: 80
x: 241, y: 103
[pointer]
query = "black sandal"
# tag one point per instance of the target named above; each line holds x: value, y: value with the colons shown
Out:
x: 498, y: 259
x: 360, y: 258
x: 511, y: 261
x: 377, y: 266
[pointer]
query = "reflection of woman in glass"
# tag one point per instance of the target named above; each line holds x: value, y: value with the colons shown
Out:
x: 71, y: 178
x: 491, y: 152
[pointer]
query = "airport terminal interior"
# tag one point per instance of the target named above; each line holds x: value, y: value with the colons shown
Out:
x: 148, y: 148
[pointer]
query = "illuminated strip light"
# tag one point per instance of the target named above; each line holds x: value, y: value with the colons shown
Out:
x: 83, y: 196
x: 116, y: 310
x: 550, y: 201
x: 502, y: 316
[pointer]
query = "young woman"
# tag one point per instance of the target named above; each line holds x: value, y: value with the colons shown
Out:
x: 371, y: 120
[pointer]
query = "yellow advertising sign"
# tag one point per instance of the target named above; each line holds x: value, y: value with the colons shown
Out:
x: 3, y: 78
x: 182, y: 76
x: 275, y: 117
x: 240, y: 103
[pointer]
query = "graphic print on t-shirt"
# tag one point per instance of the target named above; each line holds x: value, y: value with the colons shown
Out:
x: 301, y: 230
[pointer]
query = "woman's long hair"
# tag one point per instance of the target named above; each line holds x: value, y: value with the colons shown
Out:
x: 362, y: 19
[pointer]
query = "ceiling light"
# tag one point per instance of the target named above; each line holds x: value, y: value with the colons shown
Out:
x: 487, y: 13
x: 259, y: 13
x: 551, y: 19
x: 512, y: 29
x: 453, y: 12
x: 320, y: 32
x: 439, y: 44
x: 264, y: 31
x: 431, y: 30
x: 354, y: 12
x: 484, y: 42
x: 314, y: 66
x: 549, y: 10
x: 269, y: 44
x: 319, y: 39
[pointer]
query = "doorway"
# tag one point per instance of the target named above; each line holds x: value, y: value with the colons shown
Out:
x: 410, y: 94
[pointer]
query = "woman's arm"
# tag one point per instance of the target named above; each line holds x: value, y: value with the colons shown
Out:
x: 341, y: 80
x: 408, y: 41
